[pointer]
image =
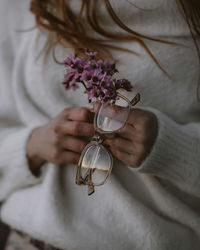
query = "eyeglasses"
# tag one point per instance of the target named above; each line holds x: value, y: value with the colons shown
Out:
x: 96, y: 162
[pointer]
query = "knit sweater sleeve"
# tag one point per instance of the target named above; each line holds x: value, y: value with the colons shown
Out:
x: 14, y: 169
x: 175, y: 155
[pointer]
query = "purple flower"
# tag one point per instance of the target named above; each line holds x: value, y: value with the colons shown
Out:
x: 102, y: 95
x: 69, y: 61
x: 123, y: 84
x: 95, y: 75
x: 92, y: 54
x: 109, y: 67
x: 86, y: 75
x: 107, y: 82
x: 74, y: 62
x: 70, y: 79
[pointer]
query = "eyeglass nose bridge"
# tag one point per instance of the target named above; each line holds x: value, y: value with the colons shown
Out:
x: 98, y: 138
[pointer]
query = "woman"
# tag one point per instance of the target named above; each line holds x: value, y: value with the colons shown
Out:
x: 152, y: 199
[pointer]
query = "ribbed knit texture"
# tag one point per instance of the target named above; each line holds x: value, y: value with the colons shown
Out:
x: 170, y: 157
x: 15, y: 156
x: 153, y: 207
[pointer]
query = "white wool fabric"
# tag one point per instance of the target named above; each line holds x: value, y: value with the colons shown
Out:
x: 153, y: 207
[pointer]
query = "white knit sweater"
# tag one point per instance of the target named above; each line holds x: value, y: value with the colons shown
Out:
x: 153, y: 207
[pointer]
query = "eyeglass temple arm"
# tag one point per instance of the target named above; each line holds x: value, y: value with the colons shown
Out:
x: 90, y: 185
x: 87, y: 174
x: 87, y: 180
x: 135, y: 100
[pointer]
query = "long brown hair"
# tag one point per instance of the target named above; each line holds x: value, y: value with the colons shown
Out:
x: 70, y: 29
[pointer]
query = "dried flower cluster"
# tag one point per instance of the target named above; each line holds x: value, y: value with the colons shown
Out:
x: 95, y: 75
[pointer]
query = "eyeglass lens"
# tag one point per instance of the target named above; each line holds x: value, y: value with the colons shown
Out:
x: 112, y: 117
x: 98, y: 159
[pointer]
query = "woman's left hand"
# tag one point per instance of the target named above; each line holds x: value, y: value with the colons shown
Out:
x: 135, y: 140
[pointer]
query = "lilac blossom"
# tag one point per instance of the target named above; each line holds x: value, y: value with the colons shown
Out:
x: 95, y: 75
x: 90, y: 53
x: 123, y: 84
x: 70, y: 79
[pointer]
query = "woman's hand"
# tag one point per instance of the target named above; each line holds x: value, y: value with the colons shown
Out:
x: 134, y: 142
x: 62, y: 139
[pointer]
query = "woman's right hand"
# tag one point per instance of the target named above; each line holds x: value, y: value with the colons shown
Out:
x: 61, y: 140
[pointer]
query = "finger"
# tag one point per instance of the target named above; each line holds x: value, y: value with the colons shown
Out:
x: 138, y: 145
x: 122, y: 156
x: 76, y: 128
x: 84, y: 138
x: 135, y: 116
x: 131, y: 133
x: 120, y: 144
x: 132, y: 160
x: 127, y: 131
x: 73, y: 144
x: 96, y: 106
x: 69, y: 157
x: 145, y: 122
x: 78, y: 114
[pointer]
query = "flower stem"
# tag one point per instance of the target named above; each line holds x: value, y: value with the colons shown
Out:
x: 84, y: 84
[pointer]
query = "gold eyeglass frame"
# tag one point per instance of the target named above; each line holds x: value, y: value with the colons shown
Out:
x: 97, y: 140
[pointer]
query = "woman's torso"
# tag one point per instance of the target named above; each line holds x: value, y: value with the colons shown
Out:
x: 127, y: 212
